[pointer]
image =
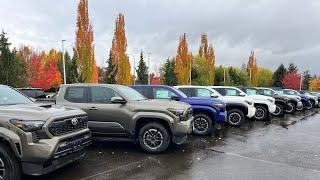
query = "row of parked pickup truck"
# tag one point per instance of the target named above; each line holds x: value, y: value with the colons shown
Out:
x: 37, y: 137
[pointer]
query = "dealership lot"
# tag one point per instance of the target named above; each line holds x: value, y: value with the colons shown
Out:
x: 283, y: 148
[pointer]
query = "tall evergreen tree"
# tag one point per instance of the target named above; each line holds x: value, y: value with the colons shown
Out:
x: 292, y: 68
x: 168, y: 75
x: 306, y: 80
x: 278, y: 76
x: 111, y: 70
x: 142, y: 71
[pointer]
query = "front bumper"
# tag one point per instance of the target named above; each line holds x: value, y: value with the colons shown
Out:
x: 251, y: 112
x: 181, y: 131
x: 272, y: 108
x: 50, y: 154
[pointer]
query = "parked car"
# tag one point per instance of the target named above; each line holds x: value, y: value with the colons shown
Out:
x: 37, y: 94
x: 263, y: 104
x: 208, y: 113
x: 294, y: 101
x: 37, y: 139
x: 307, y: 101
x: 314, y: 96
x: 117, y: 112
x: 281, y: 102
x: 281, y: 92
x: 238, y: 108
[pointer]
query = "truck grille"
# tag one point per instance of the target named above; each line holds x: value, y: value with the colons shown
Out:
x: 65, y: 126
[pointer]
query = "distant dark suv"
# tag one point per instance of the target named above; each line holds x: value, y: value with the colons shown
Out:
x: 120, y: 113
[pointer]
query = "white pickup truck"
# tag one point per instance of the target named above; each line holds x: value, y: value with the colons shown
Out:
x: 264, y: 105
x: 238, y: 108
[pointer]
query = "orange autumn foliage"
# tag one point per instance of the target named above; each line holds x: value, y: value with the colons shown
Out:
x: 252, y: 68
x: 314, y: 84
x: 84, y: 48
x: 206, y: 51
x: 183, y: 61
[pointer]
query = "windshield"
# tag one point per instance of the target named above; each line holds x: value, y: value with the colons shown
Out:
x: 252, y: 92
x: 131, y: 93
x: 9, y: 96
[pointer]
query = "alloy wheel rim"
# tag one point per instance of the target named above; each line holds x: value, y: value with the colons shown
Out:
x: 153, y: 139
x: 2, y: 169
x: 277, y: 111
x: 290, y: 108
x: 259, y: 113
x: 234, y: 118
x: 200, y: 125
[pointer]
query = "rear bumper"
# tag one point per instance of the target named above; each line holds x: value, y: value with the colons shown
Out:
x: 251, y: 112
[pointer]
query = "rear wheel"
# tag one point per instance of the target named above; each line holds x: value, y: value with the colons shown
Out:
x: 261, y: 113
x: 279, y: 112
x: 308, y: 105
x: 154, y: 138
x: 290, y: 108
x: 10, y: 167
x: 235, y: 117
x: 202, y: 124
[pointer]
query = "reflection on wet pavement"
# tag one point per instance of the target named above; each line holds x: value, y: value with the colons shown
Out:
x: 283, y: 148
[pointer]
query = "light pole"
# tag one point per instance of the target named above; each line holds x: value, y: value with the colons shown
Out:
x: 300, y: 81
x: 134, y: 69
x: 149, y: 67
x: 224, y: 75
x: 190, y: 72
x: 64, y: 63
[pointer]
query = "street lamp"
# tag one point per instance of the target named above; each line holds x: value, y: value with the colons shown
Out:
x: 64, y: 63
x: 134, y: 68
x: 149, y: 67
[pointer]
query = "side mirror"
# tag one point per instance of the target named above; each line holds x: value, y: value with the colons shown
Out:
x: 118, y: 100
x: 214, y: 95
x: 242, y: 94
x: 175, y: 98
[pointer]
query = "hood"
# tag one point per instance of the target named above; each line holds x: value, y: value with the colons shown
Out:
x: 153, y: 104
x: 36, y: 111
x: 261, y: 97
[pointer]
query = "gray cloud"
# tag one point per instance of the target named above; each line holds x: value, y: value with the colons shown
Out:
x: 279, y: 31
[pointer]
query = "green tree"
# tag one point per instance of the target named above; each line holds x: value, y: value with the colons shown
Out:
x: 142, y: 71
x: 265, y: 77
x: 306, y: 80
x: 219, y: 73
x: 11, y: 67
x: 71, y: 68
x: 168, y: 75
x: 111, y: 70
x: 278, y: 76
x: 292, y: 68
x: 202, y: 70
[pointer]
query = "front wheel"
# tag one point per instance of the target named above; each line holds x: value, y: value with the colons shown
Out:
x: 308, y: 105
x: 10, y: 167
x: 202, y: 124
x: 290, y: 108
x: 279, y: 112
x: 261, y: 113
x: 235, y: 117
x: 154, y: 138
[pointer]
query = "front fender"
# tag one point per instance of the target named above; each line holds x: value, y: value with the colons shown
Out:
x: 13, y: 139
x: 153, y: 115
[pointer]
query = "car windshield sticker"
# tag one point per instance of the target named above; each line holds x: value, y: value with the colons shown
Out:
x: 231, y: 92
x: 203, y: 93
x: 251, y: 92
x: 162, y: 94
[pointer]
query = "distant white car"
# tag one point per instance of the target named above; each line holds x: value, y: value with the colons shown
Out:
x: 237, y: 107
x: 264, y: 105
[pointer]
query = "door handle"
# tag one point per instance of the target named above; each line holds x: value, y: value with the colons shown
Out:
x: 93, y: 109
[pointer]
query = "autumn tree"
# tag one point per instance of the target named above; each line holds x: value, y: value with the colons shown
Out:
x: 314, y: 84
x: 167, y: 73
x: 291, y: 80
x: 306, y: 78
x: 252, y: 69
x: 111, y: 71
x: 142, y: 71
x: 265, y: 77
x: 183, y: 61
x: 118, y: 52
x: 278, y: 76
x: 84, y: 48
x: 206, y: 51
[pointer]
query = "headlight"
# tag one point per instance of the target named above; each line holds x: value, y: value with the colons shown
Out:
x: 177, y: 112
x: 26, y: 125
x: 248, y: 102
x: 218, y: 105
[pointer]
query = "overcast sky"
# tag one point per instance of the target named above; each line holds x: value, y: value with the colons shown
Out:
x: 278, y: 30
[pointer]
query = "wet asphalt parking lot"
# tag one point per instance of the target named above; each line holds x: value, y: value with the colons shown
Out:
x: 282, y: 148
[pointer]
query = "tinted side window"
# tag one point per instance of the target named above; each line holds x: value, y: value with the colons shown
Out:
x: 221, y: 91
x: 162, y: 93
x: 40, y: 94
x: 102, y: 95
x: 146, y: 91
x: 76, y: 94
x: 188, y: 91
x: 29, y: 93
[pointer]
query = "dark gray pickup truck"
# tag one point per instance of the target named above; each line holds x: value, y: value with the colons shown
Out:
x: 36, y: 139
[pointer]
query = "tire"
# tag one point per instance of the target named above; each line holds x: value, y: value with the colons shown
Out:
x: 10, y: 167
x: 308, y: 106
x: 279, y: 110
x: 261, y: 113
x: 235, y: 117
x: 312, y: 104
x: 301, y: 108
x: 291, y: 108
x: 154, y: 138
x: 202, y: 124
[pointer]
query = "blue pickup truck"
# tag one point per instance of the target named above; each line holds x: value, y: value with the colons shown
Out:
x: 208, y: 112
